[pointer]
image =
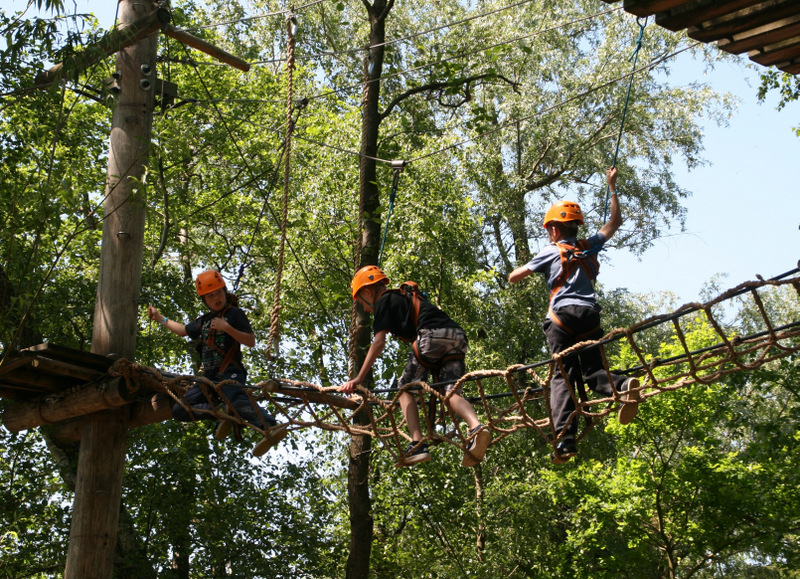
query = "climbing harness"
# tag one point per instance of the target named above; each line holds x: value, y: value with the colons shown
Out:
x: 581, y: 255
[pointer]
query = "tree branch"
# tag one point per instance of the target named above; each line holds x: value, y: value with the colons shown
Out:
x: 432, y: 86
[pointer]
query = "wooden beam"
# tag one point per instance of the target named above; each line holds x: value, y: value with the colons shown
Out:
x: 52, y: 408
x: 774, y: 54
x: 650, y: 7
x: 790, y: 67
x: 756, y: 38
x: 157, y: 409
x: 65, y: 354
x: 109, y: 44
x: 29, y: 379
x: 693, y: 13
x: 64, y: 369
x: 207, y: 47
x: 745, y: 23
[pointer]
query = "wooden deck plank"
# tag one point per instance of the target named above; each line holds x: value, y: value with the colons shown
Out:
x: 775, y: 54
x: 747, y: 23
x: 760, y: 37
x: 650, y: 7
x: 791, y: 67
x: 72, y: 356
x: 703, y: 13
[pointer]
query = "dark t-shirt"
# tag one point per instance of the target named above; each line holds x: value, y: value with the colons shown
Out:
x: 393, y: 313
x: 212, y: 357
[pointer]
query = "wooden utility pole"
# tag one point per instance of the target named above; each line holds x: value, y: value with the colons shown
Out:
x: 101, y: 462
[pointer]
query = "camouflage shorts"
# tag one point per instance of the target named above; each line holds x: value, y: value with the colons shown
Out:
x: 435, y: 345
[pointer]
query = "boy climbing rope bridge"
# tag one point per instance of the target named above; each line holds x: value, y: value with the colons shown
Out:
x: 570, y: 268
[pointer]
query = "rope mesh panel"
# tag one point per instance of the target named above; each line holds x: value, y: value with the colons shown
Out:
x: 303, y: 404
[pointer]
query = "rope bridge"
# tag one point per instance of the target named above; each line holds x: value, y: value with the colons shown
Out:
x: 518, y: 396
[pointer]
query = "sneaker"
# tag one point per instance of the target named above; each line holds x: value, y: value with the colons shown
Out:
x: 630, y: 401
x: 478, y: 442
x: 565, y: 450
x: 224, y: 426
x: 416, y: 452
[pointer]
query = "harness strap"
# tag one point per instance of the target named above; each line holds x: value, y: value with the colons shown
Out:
x: 573, y: 256
x: 227, y: 357
x: 561, y: 324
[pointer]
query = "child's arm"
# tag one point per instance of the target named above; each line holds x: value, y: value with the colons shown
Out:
x: 519, y: 274
x: 374, y: 351
x: 244, y: 338
x: 610, y: 228
x: 171, y: 325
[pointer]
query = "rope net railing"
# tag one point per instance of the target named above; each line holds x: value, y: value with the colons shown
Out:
x: 517, y: 397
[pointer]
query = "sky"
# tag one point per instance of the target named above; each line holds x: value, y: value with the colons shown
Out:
x: 744, y: 213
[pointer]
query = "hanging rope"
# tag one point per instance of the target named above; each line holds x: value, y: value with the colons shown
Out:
x: 274, y: 327
x: 397, y: 167
x: 246, y: 261
x: 634, y: 57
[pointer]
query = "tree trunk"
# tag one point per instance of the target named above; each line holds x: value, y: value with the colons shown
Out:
x: 101, y: 463
x: 361, y: 521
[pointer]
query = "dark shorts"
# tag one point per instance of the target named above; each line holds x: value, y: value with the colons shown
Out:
x: 434, y: 346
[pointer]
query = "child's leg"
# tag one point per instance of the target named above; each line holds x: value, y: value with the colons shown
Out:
x: 464, y: 409
x: 408, y: 404
x: 194, y: 397
x: 562, y: 404
x: 413, y: 372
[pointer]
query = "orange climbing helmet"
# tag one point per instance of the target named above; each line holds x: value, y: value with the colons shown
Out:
x: 208, y: 281
x: 564, y: 211
x: 367, y: 275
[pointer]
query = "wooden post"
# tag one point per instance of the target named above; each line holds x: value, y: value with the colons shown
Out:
x: 101, y: 462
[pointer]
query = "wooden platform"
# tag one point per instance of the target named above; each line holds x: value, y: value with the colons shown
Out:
x: 48, y: 369
x: 767, y: 30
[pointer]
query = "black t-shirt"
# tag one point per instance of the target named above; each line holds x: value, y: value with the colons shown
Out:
x: 212, y: 357
x: 393, y: 313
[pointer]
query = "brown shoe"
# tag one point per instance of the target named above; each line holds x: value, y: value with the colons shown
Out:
x: 275, y: 435
x: 479, y: 440
x: 630, y: 398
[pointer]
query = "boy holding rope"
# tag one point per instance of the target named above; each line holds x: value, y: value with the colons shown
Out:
x: 221, y: 332
x: 570, y: 267
x: 438, y: 344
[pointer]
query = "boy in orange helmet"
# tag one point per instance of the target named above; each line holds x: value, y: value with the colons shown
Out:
x: 574, y: 314
x: 438, y: 344
x: 221, y: 332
